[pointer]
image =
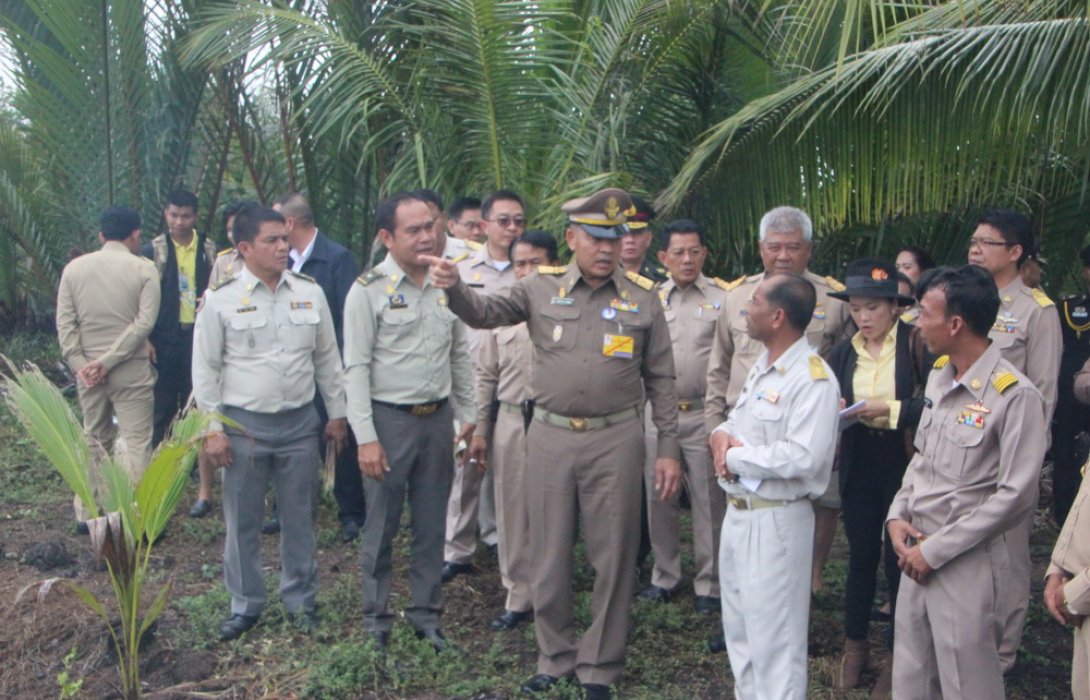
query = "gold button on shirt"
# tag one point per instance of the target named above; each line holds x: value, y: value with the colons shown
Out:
x: 874, y: 379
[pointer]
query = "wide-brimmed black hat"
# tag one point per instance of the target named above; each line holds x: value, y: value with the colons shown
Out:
x: 872, y: 278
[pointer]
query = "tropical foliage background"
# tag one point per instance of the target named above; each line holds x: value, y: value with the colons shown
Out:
x: 890, y: 121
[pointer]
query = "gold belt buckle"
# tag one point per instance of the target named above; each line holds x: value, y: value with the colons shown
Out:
x: 739, y: 503
x: 685, y: 405
x: 578, y: 424
x: 424, y: 409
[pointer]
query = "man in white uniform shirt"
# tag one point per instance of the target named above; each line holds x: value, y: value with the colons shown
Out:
x: 773, y: 454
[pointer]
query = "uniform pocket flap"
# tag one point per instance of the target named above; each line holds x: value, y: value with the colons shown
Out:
x: 249, y: 321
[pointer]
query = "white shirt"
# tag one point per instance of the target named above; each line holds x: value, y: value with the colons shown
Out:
x: 300, y: 259
x: 786, y: 417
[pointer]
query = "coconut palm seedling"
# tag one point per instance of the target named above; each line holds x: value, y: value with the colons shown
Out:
x: 132, y: 515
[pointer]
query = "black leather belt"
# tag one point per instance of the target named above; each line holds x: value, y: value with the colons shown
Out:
x: 417, y: 409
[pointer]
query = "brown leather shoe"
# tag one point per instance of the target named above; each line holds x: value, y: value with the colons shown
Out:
x: 851, y: 664
x: 883, y: 689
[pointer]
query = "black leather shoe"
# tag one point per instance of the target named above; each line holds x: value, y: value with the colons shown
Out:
x: 656, y: 594
x: 540, y: 683
x: 82, y: 528
x: 706, y: 604
x: 350, y: 531
x: 200, y: 509
x: 596, y: 691
x: 271, y: 526
x: 306, y: 621
x: 452, y: 569
x: 436, y: 638
x: 717, y: 644
x: 234, y: 626
x: 510, y: 619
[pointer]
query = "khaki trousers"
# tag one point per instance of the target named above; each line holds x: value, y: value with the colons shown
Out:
x: 589, y: 475
x: 508, y: 465
x: 471, y: 506
x: 1016, y: 592
x: 764, y: 569
x: 948, y: 630
x: 129, y: 394
x: 708, y: 507
x: 1080, y: 662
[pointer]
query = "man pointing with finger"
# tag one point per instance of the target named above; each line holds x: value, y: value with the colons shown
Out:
x: 600, y: 344
x: 405, y: 354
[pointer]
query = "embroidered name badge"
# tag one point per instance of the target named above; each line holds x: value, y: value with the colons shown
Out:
x: 245, y: 309
x: 618, y: 346
x: 562, y: 301
x: 972, y: 419
x: 302, y: 305
x: 396, y: 301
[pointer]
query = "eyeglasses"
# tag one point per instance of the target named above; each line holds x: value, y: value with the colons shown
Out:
x: 504, y: 221
x: 982, y: 242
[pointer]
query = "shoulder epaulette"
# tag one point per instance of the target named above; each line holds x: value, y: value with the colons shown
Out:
x: 223, y: 282
x: 551, y: 269
x: 225, y: 252
x: 835, y: 284
x: 473, y: 245
x: 459, y: 258
x: 644, y: 282
x: 1004, y: 381
x: 301, y: 276
x: 817, y: 368
x: 370, y: 276
x: 1041, y: 298
x: 941, y: 362
x: 727, y: 286
x: 908, y: 317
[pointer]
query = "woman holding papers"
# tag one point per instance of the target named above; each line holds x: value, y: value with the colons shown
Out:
x: 881, y: 371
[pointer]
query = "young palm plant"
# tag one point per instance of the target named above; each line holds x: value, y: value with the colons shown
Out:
x: 135, y: 514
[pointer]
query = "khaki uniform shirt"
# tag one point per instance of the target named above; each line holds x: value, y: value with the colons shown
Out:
x: 1071, y: 555
x: 1027, y: 333
x: 263, y: 349
x: 734, y: 352
x: 691, y: 314
x: 402, y: 345
x: 504, y: 367
x: 228, y: 264
x: 980, y: 444
x: 480, y: 273
x: 107, y: 304
x: 457, y: 247
x: 595, y: 350
x: 786, y: 416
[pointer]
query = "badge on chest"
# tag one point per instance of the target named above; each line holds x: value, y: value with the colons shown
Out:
x: 623, y: 346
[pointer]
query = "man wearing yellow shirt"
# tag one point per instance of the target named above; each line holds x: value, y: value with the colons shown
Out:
x: 184, y: 260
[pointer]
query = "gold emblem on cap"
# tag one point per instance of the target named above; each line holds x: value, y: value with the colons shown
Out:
x: 612, y: 208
